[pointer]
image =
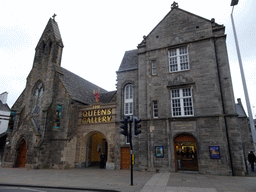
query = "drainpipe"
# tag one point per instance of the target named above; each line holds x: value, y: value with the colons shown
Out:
x: 223, y: 107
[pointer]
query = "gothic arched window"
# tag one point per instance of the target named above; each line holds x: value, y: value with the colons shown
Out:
x: 48, y: 47
x: 42, y: 47
x: 128, y: 99
x: 37, y: 98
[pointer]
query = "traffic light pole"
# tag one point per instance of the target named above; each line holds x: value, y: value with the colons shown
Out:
x: 130, y: 136
x: 133, y: 122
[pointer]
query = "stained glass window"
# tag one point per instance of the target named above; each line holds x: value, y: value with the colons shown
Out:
x: 57, y: 117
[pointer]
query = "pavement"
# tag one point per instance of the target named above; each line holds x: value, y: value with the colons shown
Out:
x: 95, y: 179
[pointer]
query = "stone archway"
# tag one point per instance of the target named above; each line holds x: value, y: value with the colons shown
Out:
x: 21, y: 154
x: 93, y: 145
x: 185, y: 149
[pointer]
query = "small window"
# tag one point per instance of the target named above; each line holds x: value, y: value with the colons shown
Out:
x: 155, y: 109
x: 153, y: 67
x: 57, y: 117
x: 178, y: 59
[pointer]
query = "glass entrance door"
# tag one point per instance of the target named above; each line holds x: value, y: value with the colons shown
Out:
x: 186, y: 153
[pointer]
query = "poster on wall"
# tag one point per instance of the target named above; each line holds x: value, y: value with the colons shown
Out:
x: 159, y: 151
x: 214, y: 152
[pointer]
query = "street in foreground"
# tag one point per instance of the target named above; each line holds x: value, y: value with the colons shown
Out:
x: 95, y: 179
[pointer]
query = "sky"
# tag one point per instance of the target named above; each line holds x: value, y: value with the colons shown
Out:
x: 96, y: 35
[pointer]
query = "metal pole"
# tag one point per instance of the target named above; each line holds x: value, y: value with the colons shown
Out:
x: 130, y: 135
x: 244, y: 85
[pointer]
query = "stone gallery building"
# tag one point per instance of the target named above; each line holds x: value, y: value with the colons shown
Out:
x: 177, y: 82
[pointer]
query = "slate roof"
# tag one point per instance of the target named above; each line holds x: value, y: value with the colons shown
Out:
x: 79, y: 89
x: 4, y: 107
x: 130, y: 61
x: 56, y: 31
x: 107, y: 97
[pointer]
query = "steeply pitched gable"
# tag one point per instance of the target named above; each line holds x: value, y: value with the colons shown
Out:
x: 179, y: 26
x: 51, y: 31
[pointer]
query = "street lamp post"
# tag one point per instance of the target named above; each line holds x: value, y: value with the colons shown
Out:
x: 233, y: 3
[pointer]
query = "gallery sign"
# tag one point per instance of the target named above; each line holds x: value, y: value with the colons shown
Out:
x: 96, y: 116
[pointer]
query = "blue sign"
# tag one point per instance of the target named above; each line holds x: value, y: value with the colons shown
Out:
x: 214, y: 152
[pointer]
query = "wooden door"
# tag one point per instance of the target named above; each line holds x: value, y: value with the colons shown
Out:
x: 22, y: 154
x: 125, y: 158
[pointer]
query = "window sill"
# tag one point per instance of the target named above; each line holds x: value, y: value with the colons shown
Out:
x: 179, y: 71
x: 183, y: 116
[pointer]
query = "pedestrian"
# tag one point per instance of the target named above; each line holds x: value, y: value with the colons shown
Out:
x: 102, y: 160
x: 251, y: 159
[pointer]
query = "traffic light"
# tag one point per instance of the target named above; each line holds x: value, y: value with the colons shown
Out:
x: 234, y: 2
x: 137, y: 126
x: 124, y: 127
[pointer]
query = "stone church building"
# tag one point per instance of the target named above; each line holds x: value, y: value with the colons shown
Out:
x: 177, y: 82
x: 46, y: 129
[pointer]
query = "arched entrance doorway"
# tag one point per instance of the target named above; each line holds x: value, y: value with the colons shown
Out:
x: 96, y: 144
x: 185, y: 149
x: 21, y: 154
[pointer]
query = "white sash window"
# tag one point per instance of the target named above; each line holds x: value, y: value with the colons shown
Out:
x: 182, y: 102
x: 128, y: 99
x: 178, y: 59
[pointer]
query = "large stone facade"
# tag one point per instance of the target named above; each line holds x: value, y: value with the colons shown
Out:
x: 177, y: 82
x: 208, y: 119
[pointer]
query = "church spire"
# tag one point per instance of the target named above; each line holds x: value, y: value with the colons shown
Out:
x: 52, y: 31
x: 50, y: 44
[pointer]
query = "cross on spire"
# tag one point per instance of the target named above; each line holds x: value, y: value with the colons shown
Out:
x: 174, y: 5
x: 54, y: 15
